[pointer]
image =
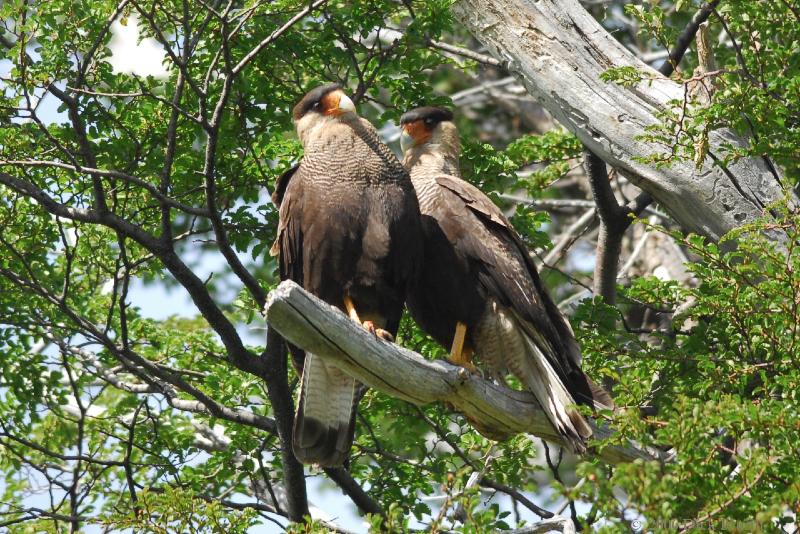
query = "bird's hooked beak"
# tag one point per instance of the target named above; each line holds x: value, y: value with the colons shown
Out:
x: 406, y: 141
x: 339, y: 103
x: 346, y: 105
x: 412, y: 134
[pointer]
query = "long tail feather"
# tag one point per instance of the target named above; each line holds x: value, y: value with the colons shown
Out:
x: 506, y: 343
x: 325, y: 421
x: 556, y: 401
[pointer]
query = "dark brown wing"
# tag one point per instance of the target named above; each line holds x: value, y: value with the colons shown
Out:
x: 288, y: 244
x: 508, y: 274
x: 324, y: 422
x: 289, y: 237
x: 446, y: 291
x: 282, y: 183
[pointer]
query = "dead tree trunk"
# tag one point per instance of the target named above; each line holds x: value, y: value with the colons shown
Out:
x: 559, y: 51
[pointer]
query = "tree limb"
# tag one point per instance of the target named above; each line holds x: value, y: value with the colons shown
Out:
x: 465, y: 52
x: 614, y: 220
x: 686, y: 38
x: 352, y: 489
x: 317, y: 327
x: 274, y: 35
x: 281, y: 400
x: 238, y: 354
x: 163, y: 199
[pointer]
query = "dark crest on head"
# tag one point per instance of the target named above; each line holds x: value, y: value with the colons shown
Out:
x: 432, y: 115
x: 312, y: 100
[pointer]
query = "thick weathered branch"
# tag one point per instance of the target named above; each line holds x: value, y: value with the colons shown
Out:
x: 559, y: 51
x: 615, y: 219
x: 317, y: 327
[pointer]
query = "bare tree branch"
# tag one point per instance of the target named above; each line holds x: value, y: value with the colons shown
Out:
x: 238, y: 354
x: 465, y: 52
x: 274, y: 35
x: 352, y: 489
x: 281, y: 400
x: 614, y: 220
x: 150, y: 188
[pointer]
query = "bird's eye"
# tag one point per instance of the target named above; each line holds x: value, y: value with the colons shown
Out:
x: 316, y: 105
x: 428, y: 122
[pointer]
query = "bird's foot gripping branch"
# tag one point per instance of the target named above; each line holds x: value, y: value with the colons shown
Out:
x: 323, y: 330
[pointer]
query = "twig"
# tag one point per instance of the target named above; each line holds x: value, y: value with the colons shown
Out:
x: 705, y: 517
x: 482, y: 87
x: 579, y: 226
x: 274, y: 35
x: 467, y: 53
x: 150, y: 188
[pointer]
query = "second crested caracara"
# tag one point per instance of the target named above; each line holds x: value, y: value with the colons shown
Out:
x: 479, y: 291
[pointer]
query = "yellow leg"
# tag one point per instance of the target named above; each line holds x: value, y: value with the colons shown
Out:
x: 369, y: 325
x: 351, y: 309
x: 458, y: 354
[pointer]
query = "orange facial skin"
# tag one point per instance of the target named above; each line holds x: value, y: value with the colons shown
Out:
x: 330, y: 103
x: 418, y: 132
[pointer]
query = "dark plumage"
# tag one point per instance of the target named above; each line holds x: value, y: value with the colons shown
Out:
x: 348, y: 229
x: 477, y: 271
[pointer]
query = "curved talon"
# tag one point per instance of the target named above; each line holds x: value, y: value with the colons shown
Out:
x: 465, y: 364
x: 378, y: 332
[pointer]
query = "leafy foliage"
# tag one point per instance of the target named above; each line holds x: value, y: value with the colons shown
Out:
x: 722, y: 380
x: 755, y: 84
